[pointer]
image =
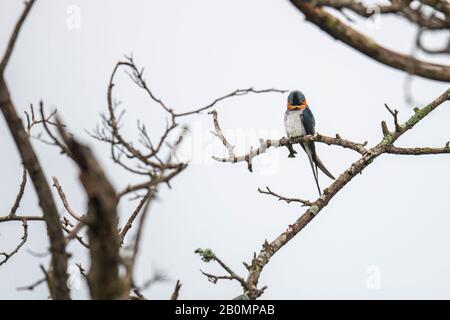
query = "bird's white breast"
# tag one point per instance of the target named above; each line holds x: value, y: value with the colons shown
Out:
x: 293, y: 123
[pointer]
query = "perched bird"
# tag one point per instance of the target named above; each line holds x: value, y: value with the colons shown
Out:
x: 299, y: 121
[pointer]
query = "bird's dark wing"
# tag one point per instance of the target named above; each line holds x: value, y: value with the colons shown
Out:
x: 309, y: 124
x: 308, y: 121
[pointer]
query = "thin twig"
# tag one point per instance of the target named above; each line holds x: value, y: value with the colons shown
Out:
x: 208, y: 256
x: 19, y: 196
x: 13, y: 39
x: 176, y: 290
x: 62, y: 195
x: 394, y: 114
x: 218, y: 133
x: 282, y: 198
x: 135, y: 213
x: 24, y: 238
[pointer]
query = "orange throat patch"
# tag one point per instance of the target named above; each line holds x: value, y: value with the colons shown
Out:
x: 300, y: 107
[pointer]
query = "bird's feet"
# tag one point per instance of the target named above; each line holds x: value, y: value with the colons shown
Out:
x: 292, y: 152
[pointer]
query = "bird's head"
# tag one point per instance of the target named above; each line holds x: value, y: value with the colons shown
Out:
x: 296, y: 101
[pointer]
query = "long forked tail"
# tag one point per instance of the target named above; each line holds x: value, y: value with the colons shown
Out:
x: 318, y: 162
x: 314, y: 170
x: 315, y: 163
x: 310, y: 151
x: 321, y: 166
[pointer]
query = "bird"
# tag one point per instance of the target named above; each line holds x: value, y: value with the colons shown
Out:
x: 299, y: 121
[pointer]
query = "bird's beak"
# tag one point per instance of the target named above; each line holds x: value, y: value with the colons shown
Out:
x: 302, y: 106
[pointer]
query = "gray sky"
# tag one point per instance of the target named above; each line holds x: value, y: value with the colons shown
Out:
x: 389, y: 224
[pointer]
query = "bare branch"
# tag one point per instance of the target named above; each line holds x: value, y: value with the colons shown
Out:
x: 338, y: 30
x: 82, y: 271
x: 152, y: 182
x: 128, y: 225
x: 131, y: 262
x: 416, y: 151
x: 24, y: 238
x: 32, y: 286
x: 207, y: 255
x: 218, y: 133
x: 21, y: 218
x: 236, y: 93
x: 400, y: 8
x: 46, y: 122
x: 157, y: 277
x: 13, y: 39
x: 73, y: 234
x: 19, y: 196
x: 59, y: 290
x: 46, y: 201
x: 62, y: 195
x: 213, y: 278
x: 282, y: 198
x: 176, y: 291
x: 36, y: 284
x: 394, y: 114
x: 101, y: 220
x: 276, y: 143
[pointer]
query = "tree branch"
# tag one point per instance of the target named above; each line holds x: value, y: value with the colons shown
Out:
x: 305, y: 203
x: 218, y: 133
x: 135, y: 213
x: 394, y: 114
x: 13, y: 39
x: 176, y: 291
x: 19, y: 196
x: 207, y: 256
x: 236, y: 93
x: 21, y: 218
x: 24, y: 238
x: 101, y: 219
x: 340, y: 31
x: 33, y: 167
x: 63, y: 197
x: 276, y: 143
x: 416, y: 151
x: 397, y: 7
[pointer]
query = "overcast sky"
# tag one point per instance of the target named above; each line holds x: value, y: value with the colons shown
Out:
x: 385, y: 235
